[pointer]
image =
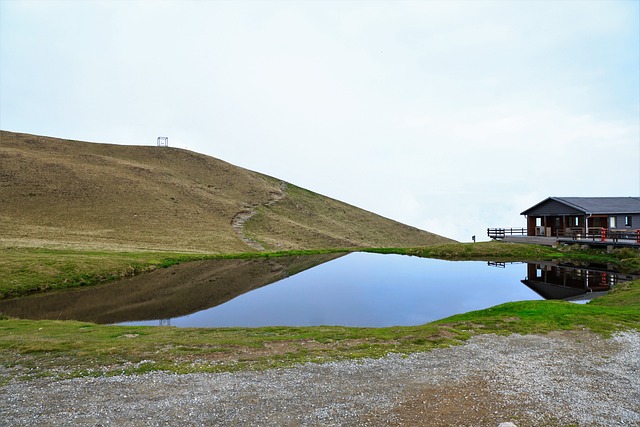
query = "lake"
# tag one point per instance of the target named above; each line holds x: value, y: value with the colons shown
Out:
x: 357, y: 289
x: 364, y: 289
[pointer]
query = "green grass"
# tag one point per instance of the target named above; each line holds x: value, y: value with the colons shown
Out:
x: 44, y: 348
x: 527, y: 317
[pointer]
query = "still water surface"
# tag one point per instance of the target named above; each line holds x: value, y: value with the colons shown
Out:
x: 363, y: 289
x: 358, y: 289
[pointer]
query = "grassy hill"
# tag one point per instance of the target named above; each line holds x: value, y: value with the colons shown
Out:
x: 61, y: 193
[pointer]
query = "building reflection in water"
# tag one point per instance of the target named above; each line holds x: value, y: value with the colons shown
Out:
x: 553, y: 281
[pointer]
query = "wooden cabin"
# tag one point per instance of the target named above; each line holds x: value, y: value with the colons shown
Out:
x: 576, y: 216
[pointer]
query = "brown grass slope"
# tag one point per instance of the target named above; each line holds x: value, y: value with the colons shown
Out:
x: 57, y: 192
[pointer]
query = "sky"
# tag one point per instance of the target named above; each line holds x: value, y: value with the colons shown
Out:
x: 450, y: 116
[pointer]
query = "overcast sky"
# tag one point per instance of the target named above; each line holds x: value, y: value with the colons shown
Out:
x: 451, y: 116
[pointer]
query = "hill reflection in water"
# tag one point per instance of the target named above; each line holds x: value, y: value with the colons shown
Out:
x: 164, y: 293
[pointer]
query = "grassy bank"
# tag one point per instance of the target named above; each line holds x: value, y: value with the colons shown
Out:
x: 29, y: 270
x: 31, y: 349
x: 626, y: 260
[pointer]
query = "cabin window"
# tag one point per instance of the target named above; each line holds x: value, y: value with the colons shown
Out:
x: 627, y: 221
x: 576, y: 221
x: 612, y: 222
x: 538, y: 222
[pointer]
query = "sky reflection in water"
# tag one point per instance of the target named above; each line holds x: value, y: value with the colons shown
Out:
x: 371, y: 290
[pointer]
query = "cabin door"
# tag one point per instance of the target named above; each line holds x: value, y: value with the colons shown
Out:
x: 598, y: 222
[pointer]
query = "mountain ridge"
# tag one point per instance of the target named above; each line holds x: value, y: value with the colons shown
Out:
x: 77, y: 194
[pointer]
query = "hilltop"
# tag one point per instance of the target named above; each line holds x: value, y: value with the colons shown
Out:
x: 63, y: 193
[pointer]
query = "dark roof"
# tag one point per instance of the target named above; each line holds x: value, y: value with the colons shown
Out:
x: 596, y: 205
x: 551, y: 291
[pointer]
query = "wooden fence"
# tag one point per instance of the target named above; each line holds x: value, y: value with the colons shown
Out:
x: 604, y: 234
x: 500, y: 233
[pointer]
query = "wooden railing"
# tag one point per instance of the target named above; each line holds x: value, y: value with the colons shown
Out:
x: 603, y: 234
x: 500, y: 233
x: 624, y: 235
x: 574, y: 233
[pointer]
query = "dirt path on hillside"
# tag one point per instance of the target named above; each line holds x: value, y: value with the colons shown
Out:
x: 238, y: 221
x: 559, y: 379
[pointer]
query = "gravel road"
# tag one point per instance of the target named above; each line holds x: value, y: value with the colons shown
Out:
x: 561, y: 379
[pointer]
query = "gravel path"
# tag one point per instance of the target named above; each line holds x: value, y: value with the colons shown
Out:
x: 238, y: 221
x: 556, y: 379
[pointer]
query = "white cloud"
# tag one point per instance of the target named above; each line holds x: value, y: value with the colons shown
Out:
x: 446, y: 115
